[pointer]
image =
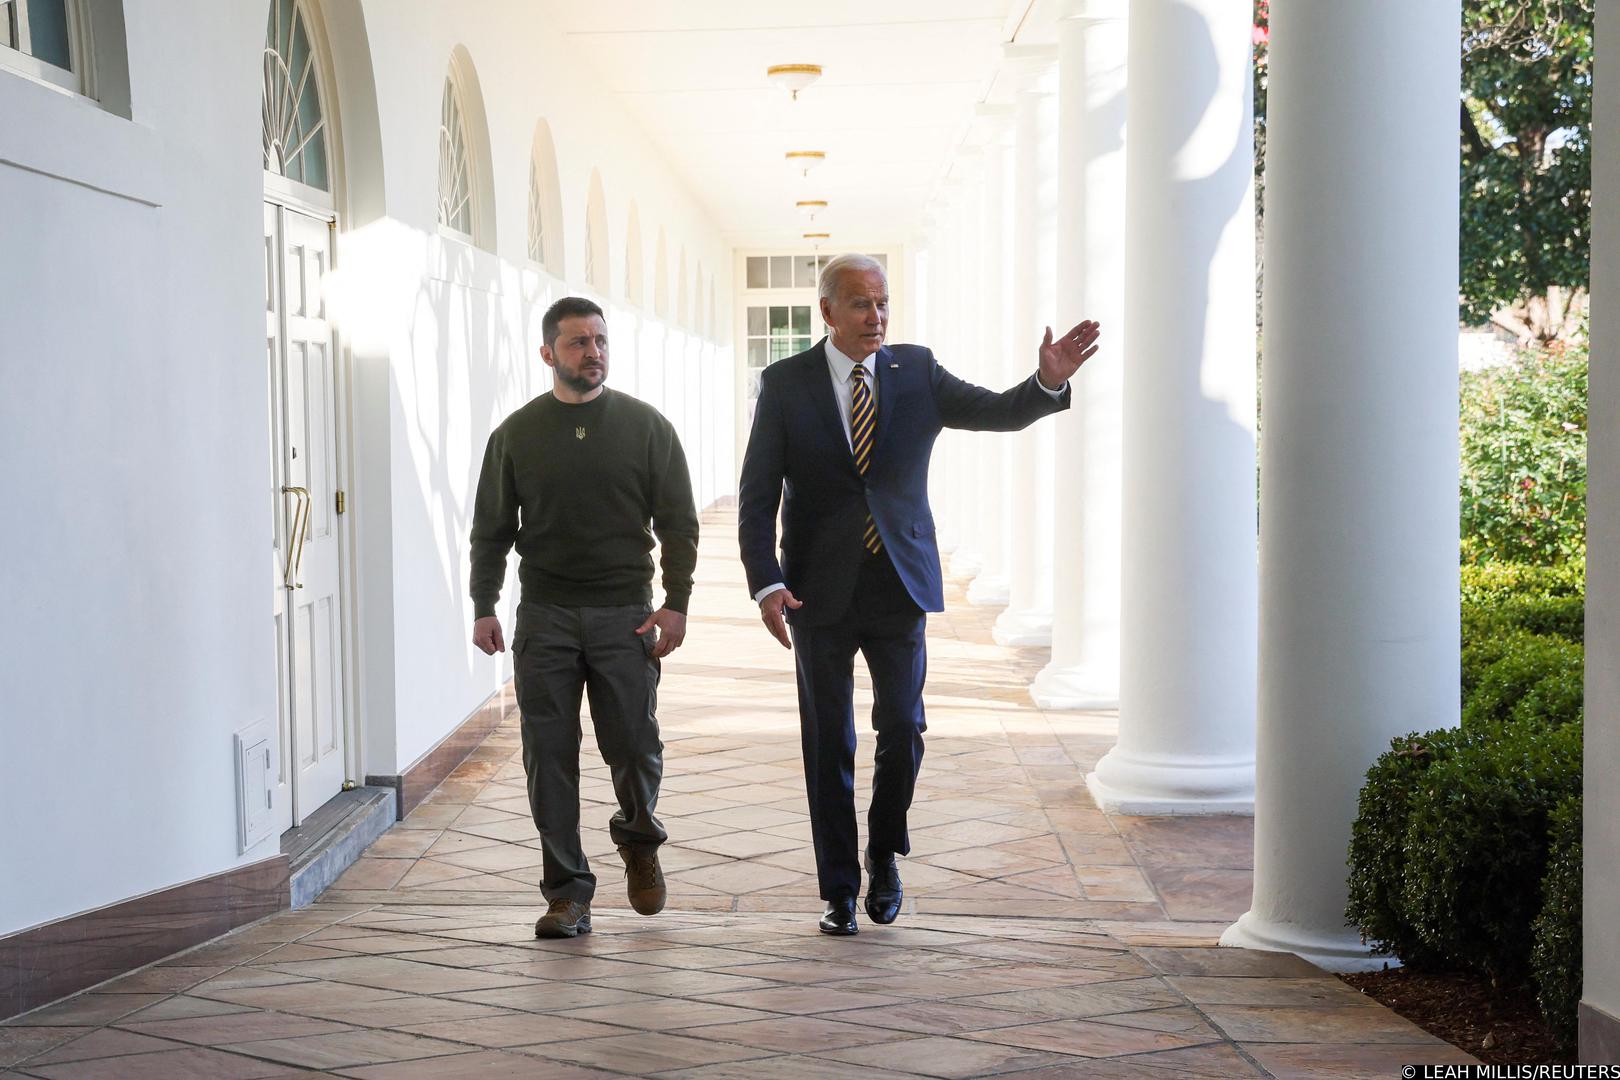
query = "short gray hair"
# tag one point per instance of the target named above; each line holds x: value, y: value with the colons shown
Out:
x: 841, y: 265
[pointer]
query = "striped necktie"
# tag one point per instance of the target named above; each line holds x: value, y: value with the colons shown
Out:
x: 862, y: 429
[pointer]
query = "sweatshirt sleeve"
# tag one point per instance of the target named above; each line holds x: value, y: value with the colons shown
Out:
x: 674, y: 517
x: 494, y: 527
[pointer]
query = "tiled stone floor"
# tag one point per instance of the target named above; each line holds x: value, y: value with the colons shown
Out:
x: 1041, y: 938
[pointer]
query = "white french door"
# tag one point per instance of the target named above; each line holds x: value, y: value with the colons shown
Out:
x: 307, y: 584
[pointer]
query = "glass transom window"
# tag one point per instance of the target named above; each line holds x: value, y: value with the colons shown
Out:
x: 455, y: 180
x: 294, y: 121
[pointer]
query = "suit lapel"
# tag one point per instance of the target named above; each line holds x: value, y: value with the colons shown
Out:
x: 818, y: 386
x: 888, y: 388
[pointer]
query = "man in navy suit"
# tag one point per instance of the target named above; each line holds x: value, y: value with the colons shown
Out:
x: 841, y: 440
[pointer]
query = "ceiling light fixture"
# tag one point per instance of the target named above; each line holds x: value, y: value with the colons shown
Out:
x: 805, y: 160
x: 811, y: 207
x: 793, y: 77
x: 818, y: 236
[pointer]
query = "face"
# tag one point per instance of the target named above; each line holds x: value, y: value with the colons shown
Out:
x: 859, y: 314
x: 580, y: 354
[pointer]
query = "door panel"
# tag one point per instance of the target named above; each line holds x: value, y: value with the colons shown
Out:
x: 304, y: 380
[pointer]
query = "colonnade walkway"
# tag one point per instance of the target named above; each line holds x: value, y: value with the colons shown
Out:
x: 1040, y: 937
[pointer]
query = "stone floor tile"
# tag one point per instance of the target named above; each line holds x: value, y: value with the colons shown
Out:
x: 798, y: 1034
x: 1322, y: 989
x: 932, y: 1017
x: 102, y: 1043
x: 190, y: 1063
x: 1223, y: 961
x: 649, y: 1052
x: 513, y: 1029
x: 85, y: 1010
x: 236, y: 1028
x: 666, y: 1015
x: 18, y: 1043
x: 1319, y: 1024
x: 1359, y: 1061
x: 482, y: 1065
x: 1088, y: 1038
x: 348, y: 1048
x: 944, y: 1057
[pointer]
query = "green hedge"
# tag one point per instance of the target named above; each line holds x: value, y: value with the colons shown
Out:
x: 1564, y: 616
x: 1493, y: 583
x: 1555, y: 959
x: 1476, y: 843
x: 1522, y: 677
x: 1378, y: 839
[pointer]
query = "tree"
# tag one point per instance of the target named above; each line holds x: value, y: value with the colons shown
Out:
x: 1527, y: 164
x: 1526, y: 183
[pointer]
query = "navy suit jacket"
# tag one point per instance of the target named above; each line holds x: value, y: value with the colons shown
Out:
x: 799, y: 459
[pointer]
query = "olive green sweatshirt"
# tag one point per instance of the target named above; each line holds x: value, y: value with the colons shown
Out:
x: 582, y: 490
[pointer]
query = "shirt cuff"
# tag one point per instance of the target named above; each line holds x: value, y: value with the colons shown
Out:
x: 767, y: 590
x: 1053, y: 394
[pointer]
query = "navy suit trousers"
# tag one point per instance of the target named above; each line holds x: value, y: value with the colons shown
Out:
x: 885, y: 626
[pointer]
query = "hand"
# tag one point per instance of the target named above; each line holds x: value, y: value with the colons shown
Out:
x: 670, y: 629
x: 770, y: 610
x: 487, y: 635
x: 1059, y: 360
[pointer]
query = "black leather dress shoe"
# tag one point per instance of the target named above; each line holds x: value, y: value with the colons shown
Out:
x: 883, y: 894
x: 840, y: 917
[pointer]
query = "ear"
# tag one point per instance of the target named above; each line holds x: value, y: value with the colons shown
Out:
x: 548, y: 356
x: 826, y: 310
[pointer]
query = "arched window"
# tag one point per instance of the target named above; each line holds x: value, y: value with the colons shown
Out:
x: 545, y: 202
x: 596, y: 236
x: 455, y: 171
x: 633, y: 258
x: 295, y: 128
x: 466, y: 193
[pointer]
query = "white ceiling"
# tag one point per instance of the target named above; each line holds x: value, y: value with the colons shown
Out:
x: 900, y: 79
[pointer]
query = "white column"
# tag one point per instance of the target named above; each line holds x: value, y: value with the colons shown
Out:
x: 992, y: 130
x: 1359, y: 620
x: 1033, y: 70
x: 1084, y: 670
x: 968, y: 557
x: 1188, y: 565
x: 1600, y: 985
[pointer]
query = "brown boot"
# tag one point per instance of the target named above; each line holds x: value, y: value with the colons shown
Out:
x: 564, y: 918
x: 644, y: 879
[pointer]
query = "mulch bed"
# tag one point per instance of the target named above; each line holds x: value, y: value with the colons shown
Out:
x: 1467, y: 1011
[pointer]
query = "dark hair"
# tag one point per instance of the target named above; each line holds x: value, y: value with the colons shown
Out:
x: 569, y: 307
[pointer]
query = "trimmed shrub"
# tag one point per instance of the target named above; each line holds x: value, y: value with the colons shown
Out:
x: 1514, y: 680
x: 1378, y: 837
x: 1476, y: 843
x: 1564, y: 616
x: 1497, y: 582
x: 1555, y: 959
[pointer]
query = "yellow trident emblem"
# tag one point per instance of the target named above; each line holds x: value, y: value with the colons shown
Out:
x: 579, y: 433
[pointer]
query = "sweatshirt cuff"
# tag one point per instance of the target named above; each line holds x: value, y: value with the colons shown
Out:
x: 483, y: 609
x: 677, y: 601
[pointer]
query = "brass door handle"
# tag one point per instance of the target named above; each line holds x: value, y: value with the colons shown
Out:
x: 295, y: 542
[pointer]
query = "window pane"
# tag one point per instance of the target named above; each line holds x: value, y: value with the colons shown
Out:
x: 882, y: 260
x: 781, y: 348
x: 781, y: 271
x: 758, y: 352
x: 801, y: 320
x: 756, y: 320
x: 8, y: 24
x: 804, y: 271
x: 48, y: 32
x: 759, y: 275
x: 779, y: 320
x: 801, y: 344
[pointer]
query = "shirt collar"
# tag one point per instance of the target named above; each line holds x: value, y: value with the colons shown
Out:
x: 841, y: 365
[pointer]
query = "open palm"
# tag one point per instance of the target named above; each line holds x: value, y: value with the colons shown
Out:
x: 1060, y: 359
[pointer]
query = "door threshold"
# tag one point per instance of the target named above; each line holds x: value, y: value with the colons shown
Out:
x: 333, y: 837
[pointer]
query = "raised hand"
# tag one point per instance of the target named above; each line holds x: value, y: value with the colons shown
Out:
x: 1060, y: 359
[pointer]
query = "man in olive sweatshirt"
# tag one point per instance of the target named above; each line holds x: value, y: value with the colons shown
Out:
x: 581, y: 479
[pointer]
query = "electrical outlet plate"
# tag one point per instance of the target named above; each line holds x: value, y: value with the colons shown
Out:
x: 255, y: 784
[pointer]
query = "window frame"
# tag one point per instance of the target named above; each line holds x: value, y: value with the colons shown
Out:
x: 80, y: 76
x: 455, y: 94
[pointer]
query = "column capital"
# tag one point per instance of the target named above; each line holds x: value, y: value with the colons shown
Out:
x: 1092, y: 10
x: 1027, y: 67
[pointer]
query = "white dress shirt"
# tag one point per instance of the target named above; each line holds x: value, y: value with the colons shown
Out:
x: 839, y: 368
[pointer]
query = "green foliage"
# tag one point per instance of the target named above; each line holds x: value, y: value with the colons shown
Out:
x: 1523, y: 449
x: 1535, y: 677
x: 1476, y: 844
x: 1496, y: 583
x: 1555, y: 959
x: 1564, y: 616
x: 1526, y: 150
x: 1378, y: 837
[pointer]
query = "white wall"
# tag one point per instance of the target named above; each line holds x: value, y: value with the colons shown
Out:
x: 133, y: 425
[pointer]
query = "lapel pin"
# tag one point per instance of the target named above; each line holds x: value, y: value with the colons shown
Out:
x: 894, y: 365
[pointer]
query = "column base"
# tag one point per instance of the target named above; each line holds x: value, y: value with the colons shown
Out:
x: 989, y: 590
x: 1073, y: 687
x: 1023, y: 628
x: 965, y: 562
x: 1163, y: 784
x: 1335, y: 950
